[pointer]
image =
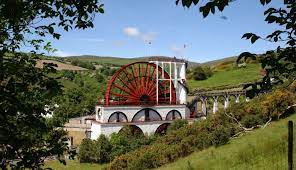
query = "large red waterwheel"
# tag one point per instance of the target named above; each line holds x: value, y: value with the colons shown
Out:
x: 136, y: 84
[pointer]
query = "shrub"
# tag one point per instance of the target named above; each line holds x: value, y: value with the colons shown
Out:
x: 67, y: 74
x: 220, y: 135
x: 198, y: 73
x: 99, y: 77
x: 102, y: 149
x: 86, y: 151
x: 181, y: 142
x: 177, y: 125
x: 83, y: 64
x: 208, y: 71
x: 249, y: 121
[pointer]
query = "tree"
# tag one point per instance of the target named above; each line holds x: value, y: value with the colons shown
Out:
x: 103, y: 151
x: 279, y: 63
x: 87, y: 151
x: 199, y: 73
x: 26, y: 135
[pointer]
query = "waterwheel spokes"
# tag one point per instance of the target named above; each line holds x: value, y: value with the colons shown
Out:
x: 135, y: 84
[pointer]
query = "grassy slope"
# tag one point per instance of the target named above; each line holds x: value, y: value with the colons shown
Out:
x: 261, y: 149
x: 232, y: 76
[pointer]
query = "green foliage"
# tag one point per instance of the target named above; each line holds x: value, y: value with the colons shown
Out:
x: 181, y: 142
x: 84, y: 64
x: 25, y: 134
x: 128, y: 139
x: 201, y: 73
x: 99, y: 77
x: 103, y: 150
x: 251, y: 120
x: 87, y: 151
x: 177, y: 125
x: 27, y: 137
x: 69, y: 75
x: 98, y: 151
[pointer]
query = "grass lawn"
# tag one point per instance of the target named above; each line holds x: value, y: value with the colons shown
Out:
x: 231, y: 76
x: 74, y: 165
x: 261, y: 149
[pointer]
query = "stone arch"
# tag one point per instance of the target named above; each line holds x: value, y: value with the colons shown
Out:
x: 132, y: 130
x: 161, y: 130
x: 118, y: 117
x: 146, y: 114
x: 173, y: 114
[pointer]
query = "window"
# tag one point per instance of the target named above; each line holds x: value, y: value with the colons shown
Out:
x: 88, y: 134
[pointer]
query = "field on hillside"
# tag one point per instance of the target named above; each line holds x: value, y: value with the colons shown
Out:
x: 261, y: 149
x: 61, y: 66
x: 232, y: 76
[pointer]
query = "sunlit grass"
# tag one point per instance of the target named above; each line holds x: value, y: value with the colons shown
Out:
x: 232, y: 76
x: 261, y: 149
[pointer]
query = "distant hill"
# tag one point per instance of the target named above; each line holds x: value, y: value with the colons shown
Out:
x: 215, y: 62
x: 118, y: 60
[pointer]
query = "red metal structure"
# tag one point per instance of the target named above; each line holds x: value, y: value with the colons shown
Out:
x: 136, y: 84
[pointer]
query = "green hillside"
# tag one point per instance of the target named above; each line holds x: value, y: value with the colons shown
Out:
x: 106, y: 60
x: 228, y: 77
x: 261, y: 149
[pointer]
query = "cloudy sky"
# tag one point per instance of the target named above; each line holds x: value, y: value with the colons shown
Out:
x: 133, y: 28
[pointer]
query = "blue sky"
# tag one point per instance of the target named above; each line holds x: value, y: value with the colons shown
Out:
x: 127, y: 26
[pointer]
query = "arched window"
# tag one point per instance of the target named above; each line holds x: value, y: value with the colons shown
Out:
x: 145, y: 115
x: 117, y: 117
x: 161, y: 130
x: 131, y: 130
x: 173, y: 115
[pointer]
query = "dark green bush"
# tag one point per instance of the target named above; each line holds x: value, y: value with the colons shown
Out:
x: 95, y: 151
x: 86, y: 151
x: 249, y: 121
x: 220, y: 135
x: 102, y: 149
x: 83, y: 64
x: 177, y: 125
x: 199, y: 74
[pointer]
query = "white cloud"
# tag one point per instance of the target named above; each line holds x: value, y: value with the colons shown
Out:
x: 131, y: 31
x: 136, y: 33
x: 60, y: 53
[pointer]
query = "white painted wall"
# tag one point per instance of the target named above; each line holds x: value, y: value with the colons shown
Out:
x: 130, y: 111
x: 107, y: 129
